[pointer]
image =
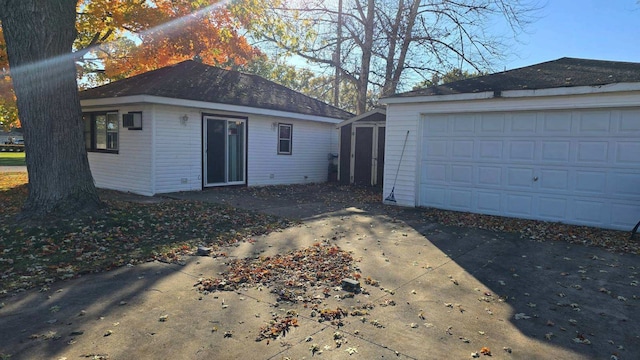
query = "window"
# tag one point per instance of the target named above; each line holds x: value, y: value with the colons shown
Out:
x: 101, y: 131
x: 284, y: 139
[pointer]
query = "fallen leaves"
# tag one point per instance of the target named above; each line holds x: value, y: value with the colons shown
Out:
x: 611, y: 240
x: 126, y: 233
x: 580, y: 339
x: 290, y: 275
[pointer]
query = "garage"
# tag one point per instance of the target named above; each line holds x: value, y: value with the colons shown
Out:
x: 579, y: 167
x: 557, y: 141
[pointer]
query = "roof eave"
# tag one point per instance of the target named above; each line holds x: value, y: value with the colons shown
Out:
x: 362, y: 116
x: 437, y: 98
x: 150, y: 99
x: 558, y: 91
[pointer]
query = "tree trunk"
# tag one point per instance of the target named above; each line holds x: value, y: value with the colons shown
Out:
x: 365, y: 64
x: 39, y: 36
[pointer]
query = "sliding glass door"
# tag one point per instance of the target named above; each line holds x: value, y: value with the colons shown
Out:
x: 224, y: 151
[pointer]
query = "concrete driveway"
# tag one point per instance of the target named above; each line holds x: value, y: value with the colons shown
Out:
x: 440, y: 293
x: 7, y: 169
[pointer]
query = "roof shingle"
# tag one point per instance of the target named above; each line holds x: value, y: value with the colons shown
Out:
x: 564, y: 72
x: 191, y: 80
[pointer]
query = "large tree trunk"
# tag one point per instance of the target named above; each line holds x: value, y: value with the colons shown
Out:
x: 39, y: 35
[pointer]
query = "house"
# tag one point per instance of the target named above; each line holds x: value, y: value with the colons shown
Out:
x: 361, y: 155
x: 191, y: 126
x: 557, y: 141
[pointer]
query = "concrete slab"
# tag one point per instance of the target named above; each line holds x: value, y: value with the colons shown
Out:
x: 443, y: 292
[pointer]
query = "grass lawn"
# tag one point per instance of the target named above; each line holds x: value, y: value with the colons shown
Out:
x: 124, y: 233
x: 11, y: 158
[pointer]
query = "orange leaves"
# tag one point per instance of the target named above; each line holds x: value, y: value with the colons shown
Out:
x: 289, y: 275
x: 157, y: 33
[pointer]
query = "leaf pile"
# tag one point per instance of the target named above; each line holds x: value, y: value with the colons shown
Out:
x: 290, y: 275
x: 125, y: 233
x: 611, y: 240
x: 276, y: 327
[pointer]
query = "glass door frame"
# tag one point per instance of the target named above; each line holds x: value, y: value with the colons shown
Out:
x: 205, y: 155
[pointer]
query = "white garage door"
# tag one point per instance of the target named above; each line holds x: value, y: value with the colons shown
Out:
x: 577, y: 167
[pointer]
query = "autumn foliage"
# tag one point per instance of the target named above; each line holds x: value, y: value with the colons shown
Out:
x: 121, y: 38
x: 8, y: 110
x: 142, y: 36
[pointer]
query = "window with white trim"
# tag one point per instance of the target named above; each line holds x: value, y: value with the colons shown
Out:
x: 285, y: 137
x: 101, y: 131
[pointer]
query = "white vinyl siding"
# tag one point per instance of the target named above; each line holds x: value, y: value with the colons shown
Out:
x: 166, y: 155
x: 177, y: 149
x: 130, y: 168
x: 308, y: 163
x: 400, y: 119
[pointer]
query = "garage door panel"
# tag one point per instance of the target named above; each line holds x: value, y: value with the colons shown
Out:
x: 462, y: 150
x: 594, y: 122
x: 579, y: 166
x: 629, y: 122
x: 624, y: 185
x: 522, y: 123
x: 461, y: 200
x: 437, y: 124
x: 624, y: 214
x: 520, y: 178
x: 436, y: 150
x: 462, y: 174
x: 590, y: 212
x: 552, y: 208
x: 490, y: 149
x: 554, y: 179
x: 628, y: 153
x: 522, y: 150
x: 593, y: 151
x: 519, y: 205
x: 434, y: 173
x: 489, y: 175
x: 556, y: 151
x: 464, y: 124
x: 592, y: 182
x: 433, y: 196
x: 557, y: 123
x: 492, y: 123
x: 489, y: 202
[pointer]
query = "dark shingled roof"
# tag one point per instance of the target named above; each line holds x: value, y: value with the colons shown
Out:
x: 192, y: 80
x: 564, y: 72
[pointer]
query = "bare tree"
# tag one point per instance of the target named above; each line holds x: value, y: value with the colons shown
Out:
x: 386, y: 42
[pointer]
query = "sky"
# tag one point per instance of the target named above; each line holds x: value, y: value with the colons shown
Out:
x: 592, y: 29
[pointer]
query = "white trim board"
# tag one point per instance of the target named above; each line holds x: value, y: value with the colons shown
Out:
x: 205, y: 106
x: 562, y: 91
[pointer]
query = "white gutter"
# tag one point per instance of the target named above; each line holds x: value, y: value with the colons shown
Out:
x: 561, y: 91
x: 436, y: 98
